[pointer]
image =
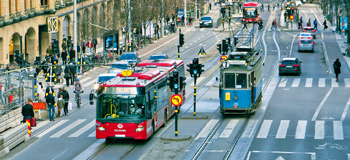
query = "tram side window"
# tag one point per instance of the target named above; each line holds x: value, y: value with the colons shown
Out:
x: 241, y: 80
x: 230, y: 80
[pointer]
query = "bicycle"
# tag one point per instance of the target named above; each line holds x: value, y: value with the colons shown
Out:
x: 78, y: 98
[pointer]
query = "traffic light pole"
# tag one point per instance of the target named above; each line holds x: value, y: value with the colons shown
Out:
x: 178, y: 52
x: 176, y: 115
x: 194, y: 94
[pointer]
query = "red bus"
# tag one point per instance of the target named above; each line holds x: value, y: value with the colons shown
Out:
x: 251, y: 12
x: 134, y: 106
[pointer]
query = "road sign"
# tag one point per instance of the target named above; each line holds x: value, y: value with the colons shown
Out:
x: 126, y: 73
x: 52, y: 23
x: 260, y: 51
x: 201, y: 52
x: 176, y: 100
x: 223, y: 58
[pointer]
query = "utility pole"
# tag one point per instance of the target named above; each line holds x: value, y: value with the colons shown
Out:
x: 196, y: 11
x: 75, y: 37
x: 162, y: 24
x: 129, y: 23
x: 185, y: 12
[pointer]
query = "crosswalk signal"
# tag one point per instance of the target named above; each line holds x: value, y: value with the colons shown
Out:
x: 55, y: 48
x: 170, y: 82
x: 224, y: 47
x: 190, y: 69
x: 181, y: 40
x: 182, y: 83
x: 200, y: 69
x: 176, y: 81
x: 219, y: 48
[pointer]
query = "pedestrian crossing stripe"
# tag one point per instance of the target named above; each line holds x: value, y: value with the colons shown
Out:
x: 309, y: 82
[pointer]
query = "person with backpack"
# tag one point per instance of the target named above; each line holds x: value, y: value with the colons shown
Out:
x: 336, y: 66
x: 325, y: 24
x: 67, y: 75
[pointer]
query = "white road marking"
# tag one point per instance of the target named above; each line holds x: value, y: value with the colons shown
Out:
x: 86, y: 79
x: 249, y: 130
x: 41, y: 124
x: 52, y: 128
x: 264, y: 130
x: 347, y: 82
x: 88, y: 83
x: 229, y: 128
x: 283, y: 82
x: 319, y: 130
x: 207, y: 128
x: 322, y: 82
x: 296, y: 82
x: 308, y: 82
x: 191, y: 44
x: 68, y: 128
x: 338, y: 130
x: 321, y: 104
x: 345, y: 110
x: 84, y: 129
x: 334, y: 83
x: 282, y: 129
x: 301, y: 129
x: 93, y: 134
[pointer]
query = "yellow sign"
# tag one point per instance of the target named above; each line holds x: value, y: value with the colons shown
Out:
x: 223, y: 58
x: 176, y: 100
x: 126, y: 73
x: 52, y: 24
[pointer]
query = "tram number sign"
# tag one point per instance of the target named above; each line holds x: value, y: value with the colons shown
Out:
x: 223, y: 58
x: 176, y: 100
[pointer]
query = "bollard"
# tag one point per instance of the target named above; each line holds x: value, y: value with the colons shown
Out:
x: 28, y: 123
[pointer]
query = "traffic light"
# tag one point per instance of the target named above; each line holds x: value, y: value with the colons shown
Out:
x: 69, y: 41
x: 224, y: 47
x: 18, y: 57
x: 195, y: 63
x: 222, y: 10
x: 292, y: 12
x: 200, y: 69
x: 55, y: 48
x: 228, y: 42
x: 219, y: 48
x: 235, y: 41
x: 181, y: 40
x: 176, y: 81
x: 190, y: 69
x: 182, y: 83
x: 291, y: 17
x: 170, y: 82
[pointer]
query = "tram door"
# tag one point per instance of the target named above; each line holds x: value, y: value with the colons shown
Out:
x: 252, y: 86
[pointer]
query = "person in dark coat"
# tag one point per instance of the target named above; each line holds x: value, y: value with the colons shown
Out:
x: 74, y: 73
x: 27, y: 110
x: 83, y: 45
x: 336, y: 66
x: 50, y: 101
x: 64, y: 56
x: 71, y: 54
x: 67, y: 75
x: 48, y: 89
x: 58, y: 73
x: 65, y: 95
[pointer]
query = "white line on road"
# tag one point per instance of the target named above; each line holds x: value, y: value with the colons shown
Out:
x: 334, y: 83
x: 52, y: 128
x: 308, y: 82
x: 207, y: 128
x: 321, y: 104
x: 229, y: 128
x: 322, y: 82
x: 291, y: 46
x: 93, y: 134
x: 301, y: 129
x: 338, y: 130
x: 283, y: 82
x: 91, y: 150
x: 345, y: 110
x: 282, y: 129
x: 296, y: 82
x: 264, y: 129
x: 319, y: 130
x: 68, y: 128
x: 249, y: 130
x: 84, y: 129
x: 347, y: 82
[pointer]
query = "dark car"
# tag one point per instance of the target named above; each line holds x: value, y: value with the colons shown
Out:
x: 158, y: 57
x: 311, y: 30
x: 131, y: 57
x: 206, y: 22
x: 306, y: 45
x: 290, y: 65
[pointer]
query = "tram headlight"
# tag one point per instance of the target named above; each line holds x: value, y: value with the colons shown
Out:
x: 101, y: 128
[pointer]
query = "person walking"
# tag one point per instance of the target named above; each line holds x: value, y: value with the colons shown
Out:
x: 67, y: 75
x: 83, y: 44
x: 336, y: 66
x: 71, y: 55
x: 245, y: 25
x: 60, y: 105
x: 58, y: 73
x: 95, y: 44
x: 65, y: 96
x: 64, y: 56
x: 41, y: 92
x: 27, y: 110
x: 325, y: 25
x: 315, y: 24
x: 73, y: 69
x: 273, y: 25
x: 49, y: 51
x: 50, y: 101
x: 64, y: 45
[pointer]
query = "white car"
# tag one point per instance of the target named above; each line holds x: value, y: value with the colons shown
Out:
x: 103, y: 78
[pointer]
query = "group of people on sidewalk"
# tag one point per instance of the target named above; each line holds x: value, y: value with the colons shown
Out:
x: 308, y: 24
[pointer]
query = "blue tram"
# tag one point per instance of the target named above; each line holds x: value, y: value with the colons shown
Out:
x: 240, y: 88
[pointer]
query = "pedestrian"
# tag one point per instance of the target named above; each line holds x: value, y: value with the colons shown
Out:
x: 95, y: 44
x: 58, y: 73
x: 285, y: 16
x: 309, y: 22
x: 67, y: 75
x: 65, y: 96
x: 73, y: 69
x: 336, y: 66
x: 299, y: 25
x: 64, y: 56
x: 60, y: 105
x: 41, y: 92
x: 245, y: 25
x: 315, y: 24
x: 1, y: 99
x: 190, y: 21
x: 301, y: 21
x: 325, y: 24
x: 50, y: 101
x: 273, y: 25
x: 49, y: 51
x: 64, y: 45
x: 83, y: 45
x: 27, y: 110
x: 48, y: 89
x: 78, y: 49
x: 90, y: 45
x: 71, y: 55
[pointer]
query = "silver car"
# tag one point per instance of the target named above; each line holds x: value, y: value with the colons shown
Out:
x: 306, y: 45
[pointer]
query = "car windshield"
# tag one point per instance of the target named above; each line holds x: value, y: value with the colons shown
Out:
x: 120, y: 66
x: 157, y: 57
x: 289, y: 62
x: 102, y: 79
x: 308, y: 29
x: 206, y: 18
x: 127, y: 56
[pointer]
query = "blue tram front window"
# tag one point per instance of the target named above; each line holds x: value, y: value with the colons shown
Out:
x: 241, y: 80
x: 230, y: 80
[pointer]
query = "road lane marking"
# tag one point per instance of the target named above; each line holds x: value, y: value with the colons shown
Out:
x: 345, y: 110
x: 308, y: 82
x: 265, y: 128
x: 68, y: 128
x: 282, y: 129
x: 249, y: 130
x: 319, y: 130
x: 322, y: 82
x: 96, y: 146
x: 321, y: 104
x: 88, y: 84
x: 93, y: 134
x: 347, y: 82
x: 207, y: 128
x: 41, y: 124
x: 86, y: 79
x: 52, y: 128
x: 334, y: 83
x: 283, y: 82
x: 229, y: 128
x: 301, y: 129
x: 338, y: 130
x: 296, y: 82
x: 84, y: 129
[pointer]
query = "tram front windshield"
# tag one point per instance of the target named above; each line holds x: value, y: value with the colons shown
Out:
x: 235, y: 80
x: 113, y: 105
x: 250, y: 12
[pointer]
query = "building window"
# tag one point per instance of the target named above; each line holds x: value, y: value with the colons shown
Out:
x: 44, y: 2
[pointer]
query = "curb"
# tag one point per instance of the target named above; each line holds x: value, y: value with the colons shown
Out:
x: 176, y: 138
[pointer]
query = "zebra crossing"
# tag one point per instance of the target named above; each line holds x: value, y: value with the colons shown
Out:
x: 310, y: 82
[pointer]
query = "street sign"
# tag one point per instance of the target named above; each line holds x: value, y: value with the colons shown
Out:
x: 201, y: 52
x: 52, y: 23
x: 223, y: 58
x: 260, y: 50
x: 126, y: 73
x: 176, y: 100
